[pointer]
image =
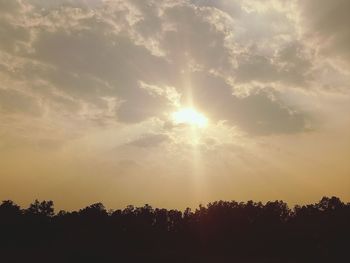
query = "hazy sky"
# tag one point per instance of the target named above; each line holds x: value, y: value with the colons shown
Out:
x: 174, y: 102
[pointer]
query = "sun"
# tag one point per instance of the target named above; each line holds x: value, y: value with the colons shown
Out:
x: 191, y: 117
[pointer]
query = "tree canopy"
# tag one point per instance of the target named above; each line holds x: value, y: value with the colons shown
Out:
x: 222, y: 231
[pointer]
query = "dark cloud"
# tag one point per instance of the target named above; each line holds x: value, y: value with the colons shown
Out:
x: 195, y: 38
x: 12, y: 101
x: 13, y: 36
x: 260, y: 113
x: 149, y: 140
x: 289, y: 66
x: 9, y: 7
x: 93, y: 63
x: 328, y: 21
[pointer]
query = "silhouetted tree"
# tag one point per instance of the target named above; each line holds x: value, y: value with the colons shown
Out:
x: 222, y: 231
x: 44, y: 208
x: 9, y: 209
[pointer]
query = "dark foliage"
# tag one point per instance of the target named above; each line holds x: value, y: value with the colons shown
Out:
x: 220, y: 232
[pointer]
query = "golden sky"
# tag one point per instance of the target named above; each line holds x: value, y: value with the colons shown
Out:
x: 174, y: 102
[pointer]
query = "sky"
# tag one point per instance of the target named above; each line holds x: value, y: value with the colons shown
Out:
x: 174, y: 103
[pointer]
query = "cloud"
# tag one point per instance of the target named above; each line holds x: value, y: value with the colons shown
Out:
x: 149, y: 140
x: 148, y: 57
x: 259, y: 113
x: 326, y: 22
x: 9, y: 7
x: 289, y: 65
x: 12, y: 101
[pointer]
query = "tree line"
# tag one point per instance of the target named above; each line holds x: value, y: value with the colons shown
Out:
x: 222, y: 231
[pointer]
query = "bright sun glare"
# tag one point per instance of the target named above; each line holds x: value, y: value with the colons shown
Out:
x: 191, y: 117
